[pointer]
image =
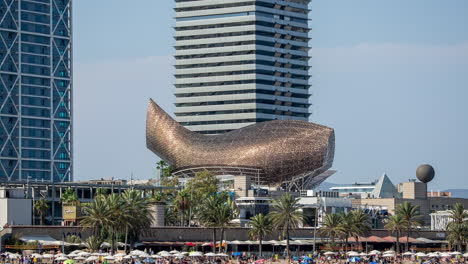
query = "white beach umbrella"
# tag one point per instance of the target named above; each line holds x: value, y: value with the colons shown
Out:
x: 47, y: 256
x: 72, y: 255
x: 455, y: 253
x: 84, y: 254
x: 137, y: 252
x: 127, y: 257
x: 433, y: 255
x: 179, y: 255
x: 408, y: 254
x: 184, y: 252
x: 196, y: 254
x: 14, y: 256
x: 362, y: 254
x: 211, y: 254
x: 35, y: 255
x: 420, y: 254
x: 353, y: 254
x: 162, y: 252
x: 174, y: 252
x: 109, y: 257
x: 79, y: 258
x: 330, y: 253
x: 119, y: 255
x: 155, y: 257
x: 165, y: 254
x: 465, y: 255
x: 445, y: 255
x: 92, y: 258
x: 60, y: 255
x: 389, y: 252
x: 61, y: 258
x: 222, y: 255
x: 388, y: 255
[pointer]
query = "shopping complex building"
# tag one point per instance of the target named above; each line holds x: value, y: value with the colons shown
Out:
x: 240, y: 62
x: 36, y: 90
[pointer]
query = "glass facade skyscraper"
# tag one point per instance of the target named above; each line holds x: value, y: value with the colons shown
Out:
x: 239, y: 62
x: 35, y: 90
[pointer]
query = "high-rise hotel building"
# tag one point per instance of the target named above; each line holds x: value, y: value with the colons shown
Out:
x: 239, y: 62
x: 35, y: 90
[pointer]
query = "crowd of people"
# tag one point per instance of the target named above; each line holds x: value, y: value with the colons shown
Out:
x: 242, y: 258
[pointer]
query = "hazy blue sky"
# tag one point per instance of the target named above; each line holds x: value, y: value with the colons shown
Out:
x: 390, y: 76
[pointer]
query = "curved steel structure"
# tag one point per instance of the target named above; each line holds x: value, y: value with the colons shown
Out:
x: 283, y: 150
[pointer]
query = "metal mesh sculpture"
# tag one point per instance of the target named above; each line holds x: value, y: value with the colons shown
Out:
x: 281, y: 150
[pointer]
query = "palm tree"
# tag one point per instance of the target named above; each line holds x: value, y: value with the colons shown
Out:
x: 286, y: 215
x: 410, y: 213
x: 347, y: 226
x: 136, y: 213
x: 361, y: 222
x: 69, y: 197
x: 93, y: 243
x: 182, y: 203
x: 396, y: 224
x: 208, y: 215
x: 118, y: 216
x: 331, y: 226
x: 226, y: 212
x: 458, y: 226
x: 170, y: 216
x: 97, y: 216
x: 41, y: 206
x: 261, y: 227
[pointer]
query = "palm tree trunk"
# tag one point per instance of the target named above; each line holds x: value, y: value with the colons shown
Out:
x: 113, y: 238
x: 225, y: 239
x: 260, y: 246
x: 126, y: 239
x: 346, y: 243
x: 398, y: 243
x: 182, y: 218
x: 221, y: 240
x: 214, y: 240
x: 357, y: 243
x: 42, y: 218
x: 287, y: 244
x: 407, y: 238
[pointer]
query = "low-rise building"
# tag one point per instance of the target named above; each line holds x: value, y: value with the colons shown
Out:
x: 315, y: 205
x: 24, y: 194
x: 415, y: 193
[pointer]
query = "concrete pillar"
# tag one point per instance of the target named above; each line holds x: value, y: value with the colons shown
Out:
x: 159, y: 215
x: 242, y: 186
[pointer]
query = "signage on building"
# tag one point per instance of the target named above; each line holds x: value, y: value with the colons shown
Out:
x: 71, y: 212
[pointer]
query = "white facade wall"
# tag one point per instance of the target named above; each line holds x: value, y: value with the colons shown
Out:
x: 15, y: 211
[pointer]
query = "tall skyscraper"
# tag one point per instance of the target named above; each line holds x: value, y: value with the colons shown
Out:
x: 35, y: 90
x: 240, y: 62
